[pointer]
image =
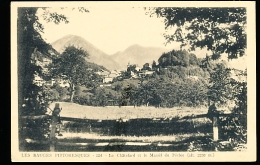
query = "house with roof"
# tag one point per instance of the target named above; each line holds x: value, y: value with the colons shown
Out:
x: 143, y: 73
x: 43, y: 60
x: 107, y: 79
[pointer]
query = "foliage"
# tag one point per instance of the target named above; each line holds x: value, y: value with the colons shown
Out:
x: 221, y: 85
x: 235, y: 126
x: 154, y: 66
x: 126, y: 94
x: 34, y: 129
x: 100, y: 96
x: 169, y: 93
x: 177, y: 81
x: 221, y: 30
x: 29, y: 31
x: 131, y: 68
x: 33, y: 100
x: 96, y: 67
x: 223, y: 89
x: 82, y: 99
x: 63, y: 92
x: 71, y: 67
x: 177, y: 58
x: 29, y: 41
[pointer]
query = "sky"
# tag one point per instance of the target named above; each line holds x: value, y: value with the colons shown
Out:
x: 113, y: 29
x: 110, y: 29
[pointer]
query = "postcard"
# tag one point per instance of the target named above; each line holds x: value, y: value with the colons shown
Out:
x: 133, y: 81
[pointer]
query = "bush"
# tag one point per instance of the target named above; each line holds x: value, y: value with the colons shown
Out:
x: 82, y: 100
x: 63, y: 92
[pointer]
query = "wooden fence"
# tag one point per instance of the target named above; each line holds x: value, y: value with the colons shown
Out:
x: 54, y: 118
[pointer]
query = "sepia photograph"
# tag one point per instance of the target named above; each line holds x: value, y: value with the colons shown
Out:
x: 133, y: 81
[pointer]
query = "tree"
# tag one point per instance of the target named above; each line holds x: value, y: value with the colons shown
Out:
x: 221, y: 30
x: 101, y: 97
x: 177, y: 57
x: 72, y: 68
x: 29, y: 41
x: 220, y: 85
x: 235, y: 125
x: 61, y: 90
x: 154, y: 66
x: 149, y: 93
x: 131, y: 68
x: 126, y: 93
x: 32, y: 99
x: 193, y: 59
x: 184, y: 57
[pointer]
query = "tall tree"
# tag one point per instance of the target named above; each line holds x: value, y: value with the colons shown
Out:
x: 29, y: 40
x: 221, y: 30
x: 126, y: 94
x: 33, y: 100
x: 72, y: 68
x: 154, y: 66
x: 221, y: 85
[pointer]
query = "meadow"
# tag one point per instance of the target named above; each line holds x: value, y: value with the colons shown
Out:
x: 133, y: 129
x: 125, y: 112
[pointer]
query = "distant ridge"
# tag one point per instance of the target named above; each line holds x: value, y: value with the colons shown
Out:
x: 96, y: 56
x: 136, y: 54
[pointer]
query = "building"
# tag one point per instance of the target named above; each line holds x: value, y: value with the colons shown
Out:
x: 107, y: 79
x: 144, y: 73
x: 39, y: 81
x: 115, y: 72
x: 108, y: 76
x: 137, y: 68
x: 43, y: 60
x: 113, y: 75
x: 103, y: 73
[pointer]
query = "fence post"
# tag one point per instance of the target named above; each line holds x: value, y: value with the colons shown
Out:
x: 52, y: 137
x: 215, y: 128
x: 54, y: 121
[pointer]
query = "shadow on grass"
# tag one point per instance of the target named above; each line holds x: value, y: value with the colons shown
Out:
x: 198, y: 143
x: 135, y: 128
x: 139, y: 127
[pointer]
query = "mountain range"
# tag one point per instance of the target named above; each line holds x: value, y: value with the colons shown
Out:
x: 138, y: 55
x: 134, y: 54
x: 95, y: 55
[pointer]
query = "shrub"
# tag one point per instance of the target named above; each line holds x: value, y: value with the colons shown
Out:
x: 82, y: 100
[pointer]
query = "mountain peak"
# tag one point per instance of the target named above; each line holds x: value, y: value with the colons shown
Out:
x: 96, y: 56
x: 72, y: 36
x: 134, y: 46
x: 139, y: 55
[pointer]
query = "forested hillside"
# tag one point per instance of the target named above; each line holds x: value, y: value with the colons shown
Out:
x: 179, y: 79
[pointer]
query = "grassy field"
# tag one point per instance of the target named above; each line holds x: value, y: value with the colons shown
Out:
x: 145, y: 129
x: 115, y: 112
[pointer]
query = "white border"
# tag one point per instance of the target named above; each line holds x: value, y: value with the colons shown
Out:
x: 249, y: 155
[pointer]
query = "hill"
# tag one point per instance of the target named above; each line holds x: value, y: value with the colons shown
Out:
x: 139, y: 55
x: 96, y: 56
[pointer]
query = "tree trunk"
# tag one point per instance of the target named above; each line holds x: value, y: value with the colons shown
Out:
x: 72, y: 91
x: 24, y: 50
x: 147, y: 104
